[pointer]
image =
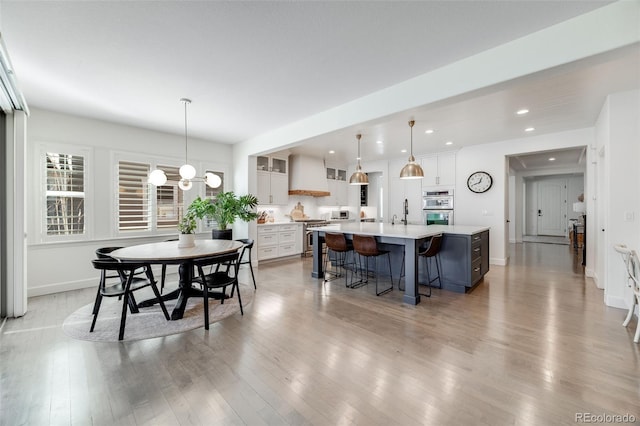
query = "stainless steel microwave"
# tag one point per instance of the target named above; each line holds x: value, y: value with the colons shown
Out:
x: 437, y: 200
x: 340, y: 214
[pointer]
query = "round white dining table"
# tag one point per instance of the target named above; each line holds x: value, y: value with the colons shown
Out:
x: 168, y: 253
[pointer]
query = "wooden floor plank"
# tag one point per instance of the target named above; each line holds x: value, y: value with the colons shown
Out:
x: 533, y: 344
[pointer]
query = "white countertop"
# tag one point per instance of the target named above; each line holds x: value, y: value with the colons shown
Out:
x: 400, y: 230
x: 284, y: 222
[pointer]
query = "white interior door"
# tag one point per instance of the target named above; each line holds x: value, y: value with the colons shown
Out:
x: 552, y: 200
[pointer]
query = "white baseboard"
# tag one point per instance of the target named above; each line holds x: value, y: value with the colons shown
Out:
x: 616, y: 302
x: 502, y: 261
x: 60, y: 287
x: 591, y: 273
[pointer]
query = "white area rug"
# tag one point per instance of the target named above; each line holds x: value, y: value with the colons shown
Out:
x: 149, y: 322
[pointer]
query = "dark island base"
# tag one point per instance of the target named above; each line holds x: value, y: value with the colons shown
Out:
x: 464, y: 260
x: 457, y: 288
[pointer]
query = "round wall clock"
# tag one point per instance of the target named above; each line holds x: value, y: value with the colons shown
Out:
x: 479, y: 182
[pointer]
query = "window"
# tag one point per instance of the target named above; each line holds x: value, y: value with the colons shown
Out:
x: 145, y: 208
x: 133, y: 196
x: 169, y: 199
x: 65, y: 194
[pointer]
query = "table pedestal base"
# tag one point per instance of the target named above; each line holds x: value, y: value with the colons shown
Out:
x: 183, y: 293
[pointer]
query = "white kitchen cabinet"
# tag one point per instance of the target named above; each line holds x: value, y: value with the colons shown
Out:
x: 404, y: 189
x: 279, y: 240
x: 439, y: 169
x: 338, y: 187
x: 273, y: 180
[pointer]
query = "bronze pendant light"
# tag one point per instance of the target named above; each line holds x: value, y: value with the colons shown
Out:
x: 359, y: 177
x: 411, y: 170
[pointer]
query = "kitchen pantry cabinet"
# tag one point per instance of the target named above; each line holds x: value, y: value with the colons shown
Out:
x: 439, y: 169
x: 404, y: 189
x: 273, y: 180
x: 337, y: 183
x: 279, y: 240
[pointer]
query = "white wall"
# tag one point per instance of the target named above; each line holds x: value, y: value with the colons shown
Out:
x: 489, y: 209
x: 619, y: 201
x: 60, y: 266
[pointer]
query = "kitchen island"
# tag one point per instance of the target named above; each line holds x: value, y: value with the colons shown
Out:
x: 464, y: 253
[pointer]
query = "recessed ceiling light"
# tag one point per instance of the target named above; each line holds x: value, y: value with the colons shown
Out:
x: 522, y: 111
x: 552, y: 159
x: 428, y: 131
x: 332, y: 152
x: 403, y: 150
x: 378, y: 141
x: 529, y: 129
x: 448, y: 143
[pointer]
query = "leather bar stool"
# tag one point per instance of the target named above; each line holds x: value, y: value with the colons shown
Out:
x: 338, y: 250
x: 366, y: 246
x: 432, y: 253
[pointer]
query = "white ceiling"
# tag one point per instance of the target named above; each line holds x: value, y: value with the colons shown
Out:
x: 251, y: 67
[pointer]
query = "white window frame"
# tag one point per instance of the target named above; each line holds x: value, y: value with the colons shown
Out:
x: 40, y: 199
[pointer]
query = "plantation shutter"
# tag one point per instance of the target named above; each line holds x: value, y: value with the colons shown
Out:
x: 133, y: 196
x: 169, y: 199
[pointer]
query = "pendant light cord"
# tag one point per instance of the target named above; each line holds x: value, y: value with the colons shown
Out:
x: 411, y: 123
x: 186, y: 141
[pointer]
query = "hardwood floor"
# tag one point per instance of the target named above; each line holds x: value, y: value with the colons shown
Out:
x: 533, y: 344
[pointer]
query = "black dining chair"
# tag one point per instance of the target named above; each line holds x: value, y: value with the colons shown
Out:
x: 105, y: 253
x: 246, y: 260
x: 124, y: 288
x: 221, y: 278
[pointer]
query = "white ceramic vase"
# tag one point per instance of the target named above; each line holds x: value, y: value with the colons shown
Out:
x: 186, y: 240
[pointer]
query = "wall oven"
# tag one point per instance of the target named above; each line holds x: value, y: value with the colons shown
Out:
x: 437, y: 217
x: 437, y: 200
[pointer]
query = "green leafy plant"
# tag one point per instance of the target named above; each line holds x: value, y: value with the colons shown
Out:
x: 224, y: 209
x: 227, y: 207
x: 187, y: 224
x: 200, y: 208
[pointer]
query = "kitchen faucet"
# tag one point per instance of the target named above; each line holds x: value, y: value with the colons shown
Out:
x: 393, y: 219
x: 406, y: 211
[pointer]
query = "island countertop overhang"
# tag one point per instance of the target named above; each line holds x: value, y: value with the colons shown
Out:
x: 401, y: 231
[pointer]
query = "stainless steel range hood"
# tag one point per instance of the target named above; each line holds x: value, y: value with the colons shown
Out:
x: 307, y: 176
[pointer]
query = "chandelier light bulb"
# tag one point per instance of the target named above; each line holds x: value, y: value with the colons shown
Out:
x: 185, y: 184
x: 157, y: 178
x: 187, y: 172
x: 212, y: 180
